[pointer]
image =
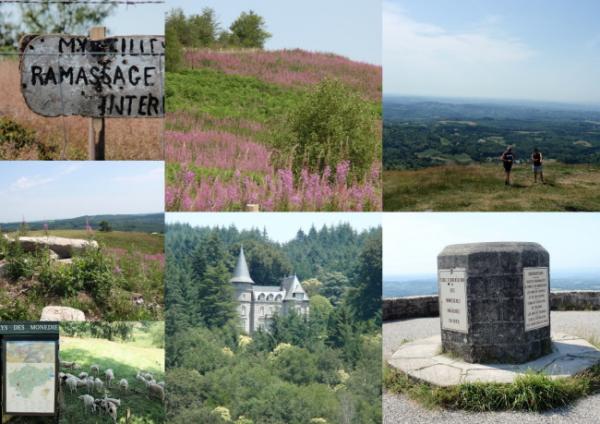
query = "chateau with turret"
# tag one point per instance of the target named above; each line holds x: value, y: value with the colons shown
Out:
x: 257, y: 304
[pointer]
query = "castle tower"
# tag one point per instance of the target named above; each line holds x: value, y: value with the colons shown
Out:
x: 242, y: 283
x: 295, y: 297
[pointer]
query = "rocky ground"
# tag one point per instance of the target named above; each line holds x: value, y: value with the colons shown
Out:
x: 398, y: 409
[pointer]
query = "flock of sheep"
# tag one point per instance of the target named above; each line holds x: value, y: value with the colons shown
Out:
x: 93, y: 384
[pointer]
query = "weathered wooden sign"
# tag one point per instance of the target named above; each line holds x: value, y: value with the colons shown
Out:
x: 112, y: 77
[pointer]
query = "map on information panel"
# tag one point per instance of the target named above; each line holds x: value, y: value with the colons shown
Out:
x: 30, y: 376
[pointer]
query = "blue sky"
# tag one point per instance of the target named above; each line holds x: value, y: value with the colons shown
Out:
x: 351, y: 28
x: 53, y: 190
x: 412, y: 241
x: 547, y: 50
x: 281, y: 227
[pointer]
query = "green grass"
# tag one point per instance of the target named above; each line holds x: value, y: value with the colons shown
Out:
x: 229, y: 96
x: 481, y: 188
x: 128, y: 240
x: 125, y: 359
x: 529, y: 392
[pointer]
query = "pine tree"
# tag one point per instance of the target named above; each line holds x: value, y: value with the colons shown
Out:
x: 214, y: 300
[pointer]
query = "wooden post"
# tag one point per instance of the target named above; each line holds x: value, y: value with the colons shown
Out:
x: 252, y: 207
x: 96, y: 134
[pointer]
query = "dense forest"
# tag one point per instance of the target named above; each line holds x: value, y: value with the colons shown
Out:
x: 144, y: 223
x: 422, y: 133
x: 324, y: 368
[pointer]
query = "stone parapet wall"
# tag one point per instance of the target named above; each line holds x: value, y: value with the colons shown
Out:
x: 427, y: 306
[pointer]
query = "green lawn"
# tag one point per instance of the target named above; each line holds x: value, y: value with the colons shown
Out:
x: 481, y: 188
x: 125, y: 359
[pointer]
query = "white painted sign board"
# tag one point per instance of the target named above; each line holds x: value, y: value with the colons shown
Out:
x: 535, y: 297
x: 112, y: 77
x: 452, y: 292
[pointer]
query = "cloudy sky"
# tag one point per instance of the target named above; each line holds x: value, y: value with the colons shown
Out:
x: 350, y: 28
x: 52, y: 190
x: 281, y: 227
x: 545, y: 50
x: 412, y: 241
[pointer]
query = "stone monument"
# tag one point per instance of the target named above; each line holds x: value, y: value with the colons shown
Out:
x: 494, y: 301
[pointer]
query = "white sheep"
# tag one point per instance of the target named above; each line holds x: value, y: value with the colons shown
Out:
x: 113, y: 400
x: 124, y: 384
x: 95, y: 369
x: 88, y: 401
x: 83, y: 375
x: 99, y: 385
x: 156, y: 391
x: 89, y: 383
x: 68, y: 365
x: 110, y: 375
x: 72, y: 383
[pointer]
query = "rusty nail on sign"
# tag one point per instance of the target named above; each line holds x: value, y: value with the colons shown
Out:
x: 113, y: 77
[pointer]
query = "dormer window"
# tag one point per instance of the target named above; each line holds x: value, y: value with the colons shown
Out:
x: 298, y: 296
x: 261, y: 296
x: 270, y: 297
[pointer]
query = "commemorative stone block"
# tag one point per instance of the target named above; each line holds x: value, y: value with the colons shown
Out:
x: 495, y: 301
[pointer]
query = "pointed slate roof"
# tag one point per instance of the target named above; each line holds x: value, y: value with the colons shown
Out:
x: 291, y: 285
x: 241, y: 273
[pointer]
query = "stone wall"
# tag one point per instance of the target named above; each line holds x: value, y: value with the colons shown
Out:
x: 427, y: 306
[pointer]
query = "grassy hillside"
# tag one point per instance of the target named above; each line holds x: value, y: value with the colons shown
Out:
x: 481, y: 188
x: 125, y: 359
x: 153, y: 222
x: 229, y: 132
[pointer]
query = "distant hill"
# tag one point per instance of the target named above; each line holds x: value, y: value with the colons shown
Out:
x: 145, y: 223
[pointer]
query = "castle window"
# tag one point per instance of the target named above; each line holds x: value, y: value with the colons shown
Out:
x: 299, y: 296
x: 270, y: 297
x: 262, y: 310
x: 261, y: 296
x: 243, y: 311
x: 278, y: 298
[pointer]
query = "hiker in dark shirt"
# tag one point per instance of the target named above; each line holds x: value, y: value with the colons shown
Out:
x: 538, y: 168
x: 507, y: 159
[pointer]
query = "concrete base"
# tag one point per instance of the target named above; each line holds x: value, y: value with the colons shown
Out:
x: 422, y: 360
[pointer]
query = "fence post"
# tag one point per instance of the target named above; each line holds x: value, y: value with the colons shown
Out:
x: 97, y: 134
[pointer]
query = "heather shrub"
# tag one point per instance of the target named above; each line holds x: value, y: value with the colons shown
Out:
x: 331, y: 126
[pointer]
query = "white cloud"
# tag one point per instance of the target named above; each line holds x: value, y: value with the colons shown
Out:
x: 25, y: 183
x: 421, y: 56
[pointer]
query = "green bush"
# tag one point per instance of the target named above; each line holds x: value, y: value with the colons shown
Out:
x: 93, y: 272
x: 332, y: 125
x: 15, y: 135
x: 19, y: 264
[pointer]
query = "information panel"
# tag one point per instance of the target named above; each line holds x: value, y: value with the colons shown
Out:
x: 29, y: 377
x: 453, y: 299
x: 535, y: 297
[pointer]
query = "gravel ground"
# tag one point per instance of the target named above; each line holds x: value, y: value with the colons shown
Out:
x: 399, y: 409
